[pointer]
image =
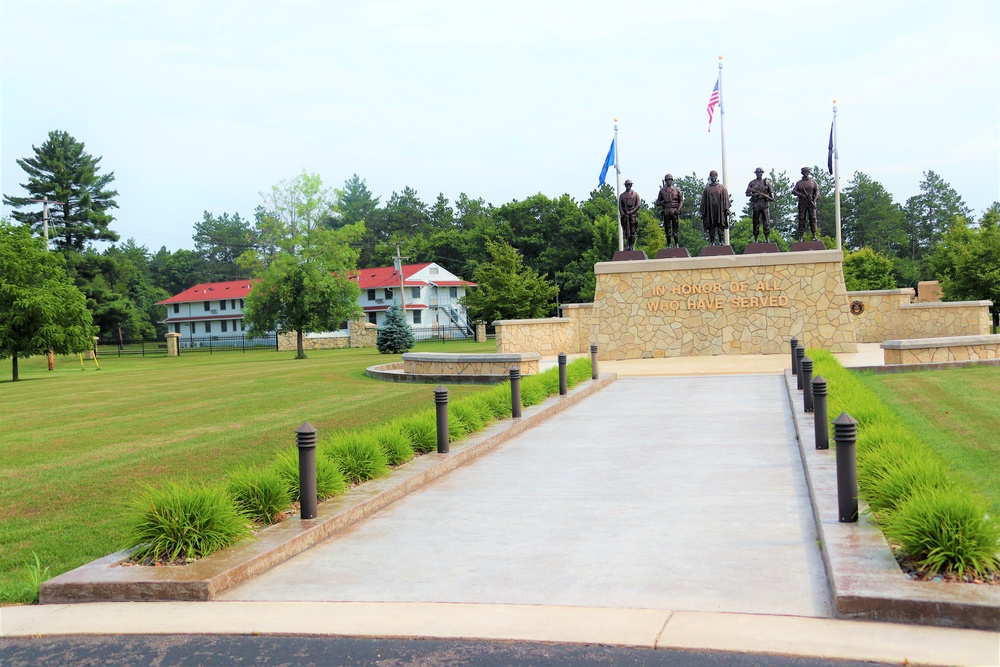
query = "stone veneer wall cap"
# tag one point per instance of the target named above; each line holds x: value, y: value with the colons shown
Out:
x: 946, y: 304
x: 720, y: 261
x: 541, y: 320
x: 883, y: 292
x: 944, y: 341
x: 459, y: 357
x: 576, y: 305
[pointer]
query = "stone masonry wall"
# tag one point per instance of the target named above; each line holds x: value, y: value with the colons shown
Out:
x: 581, y: 315
x: 939, y: 353
x: 363, y: 334
x: 874, y: 323
x: 544, y: 336
x: 890, y: 315
x: 746, y: 304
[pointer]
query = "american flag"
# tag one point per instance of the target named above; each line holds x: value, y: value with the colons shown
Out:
x: 712, y: 101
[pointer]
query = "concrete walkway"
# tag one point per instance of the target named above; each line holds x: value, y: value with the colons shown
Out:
x: 680, y: 493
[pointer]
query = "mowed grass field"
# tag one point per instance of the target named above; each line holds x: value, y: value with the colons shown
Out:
x: 77, y: 447
x: 957, y: 412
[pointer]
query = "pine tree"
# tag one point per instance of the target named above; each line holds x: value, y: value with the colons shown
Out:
x: 64, y: 172
x: 395, y: 337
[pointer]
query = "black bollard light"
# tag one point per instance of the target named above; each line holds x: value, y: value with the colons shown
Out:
x: 305, y: 440
x: 800, y: 353
x: 441, y: 404
x: 806, y: 373
x: 563, y: 388
x: 515, y: 392
x: 845, y: 434
x: 822, y: 429
x: 795, y: 344
x: 593, y: 361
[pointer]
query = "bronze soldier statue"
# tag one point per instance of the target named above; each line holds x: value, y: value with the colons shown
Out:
x: 715, y: 208
x: 761, y: 195
x: 807, y: 190
x: 670, y: 200
x: 628, y: 208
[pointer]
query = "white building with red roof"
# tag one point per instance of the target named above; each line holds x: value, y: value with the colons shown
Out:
x: 430, y: 294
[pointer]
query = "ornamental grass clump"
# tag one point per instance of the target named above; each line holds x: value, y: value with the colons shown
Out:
x: 358, y: 456
x: 533, y: 391
x: 470, y: 412
x: 893, y: 466
x: 498, y: 400
x: 395, y: 442
x: 483, y: 406
x: 946, y: 530
x: 578, y: 370
x: 422, y: 431
x: 185, y: 521
x: 329, y: 480
x: 260, y: 494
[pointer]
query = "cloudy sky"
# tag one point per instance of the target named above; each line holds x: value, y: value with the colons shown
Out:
x: 202, y: 105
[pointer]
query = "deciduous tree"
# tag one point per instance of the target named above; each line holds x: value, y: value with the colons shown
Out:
x: 507, y: 289
x: 866, y: 269
x: 42, y: 309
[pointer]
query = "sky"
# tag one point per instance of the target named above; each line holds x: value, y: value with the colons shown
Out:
x: 202, y: 106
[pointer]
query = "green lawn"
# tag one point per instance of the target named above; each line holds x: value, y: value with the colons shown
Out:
x: 76, y: 446
x: 958, y: 413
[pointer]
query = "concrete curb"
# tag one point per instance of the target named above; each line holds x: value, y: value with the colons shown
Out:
x: 106, y: 580
x: 865, y: 579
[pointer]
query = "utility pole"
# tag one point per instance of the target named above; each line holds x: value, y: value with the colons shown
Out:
x: 44, y: 201
x: 397, y: 264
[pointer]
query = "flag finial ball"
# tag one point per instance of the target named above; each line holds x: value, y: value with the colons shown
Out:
x: 835, y: 100
x: 616, y: 120
x: 720, y: 57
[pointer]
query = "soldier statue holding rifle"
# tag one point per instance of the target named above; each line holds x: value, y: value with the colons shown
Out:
x: 761, y: 195
x: 670, y: 200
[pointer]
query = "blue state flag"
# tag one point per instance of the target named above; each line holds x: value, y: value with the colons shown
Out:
x: 608, y: 161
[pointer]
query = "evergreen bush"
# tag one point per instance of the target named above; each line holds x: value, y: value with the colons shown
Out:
x: 395, y: 336
x: 259, y: 494
x: 185, y: 521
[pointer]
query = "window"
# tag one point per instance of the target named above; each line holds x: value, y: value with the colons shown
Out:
x: 241, y: 304
x: 433, y: 270
x: 225, y: 326
x: 371, y: 295
x: 208, y: 327
x: 177, y: 308
x: 453, y: 292
x: 372, y: 318
x: 192, y: 328
x: 414, y: 292
x: 207, y: 307
x: 222, y: 304
x: 416, y: 316
x: 343, y: 325
x: 232, y: 304
x: 177, y: 328
x: 388, y: 294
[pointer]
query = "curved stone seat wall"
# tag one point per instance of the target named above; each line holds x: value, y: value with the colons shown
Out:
x: 442, y: 363
x: 937, y: 350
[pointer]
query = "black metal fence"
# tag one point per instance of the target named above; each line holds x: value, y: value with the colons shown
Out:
x: 234, y: 343
x: 442, y: 333
x: 152, y: 347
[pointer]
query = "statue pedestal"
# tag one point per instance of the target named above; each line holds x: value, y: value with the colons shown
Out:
x: 716, y: 251
x: 742, y: 304
x: 629, y: 255
x: 758, y: 248
x: 672, y: 253
x: 800, y: 246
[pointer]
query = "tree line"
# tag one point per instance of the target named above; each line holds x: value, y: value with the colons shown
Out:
x: 548, y: 243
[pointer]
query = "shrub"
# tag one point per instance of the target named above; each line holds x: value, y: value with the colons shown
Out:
x: 358, y: 456
x: 329, y: 480
x: 395, y: 442
x: 422, y: 430
x: 185, y: 521
x: 260, y: 494
x: 946, y: 529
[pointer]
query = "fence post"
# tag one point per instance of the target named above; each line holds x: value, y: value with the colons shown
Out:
x: 593, y: 361
x: 515, y: 392
x: 806, y: 373
x: 795, y: 344
x: 563, y: 389
x: 441, y: 406
x: 305, y: 440
x: 845, y: 433
x: 800, y: 353
x: 822, y: 429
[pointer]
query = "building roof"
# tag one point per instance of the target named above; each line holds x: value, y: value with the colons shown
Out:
x: 233, y: 289
x: 386, y: 276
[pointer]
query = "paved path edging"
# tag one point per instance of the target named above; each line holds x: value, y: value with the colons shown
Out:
x: 867, y: 582
x: 105, y: 579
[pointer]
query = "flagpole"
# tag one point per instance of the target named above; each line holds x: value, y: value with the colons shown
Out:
x: 722, y: 131
x: 836, y: 179
x: 618, y: 191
